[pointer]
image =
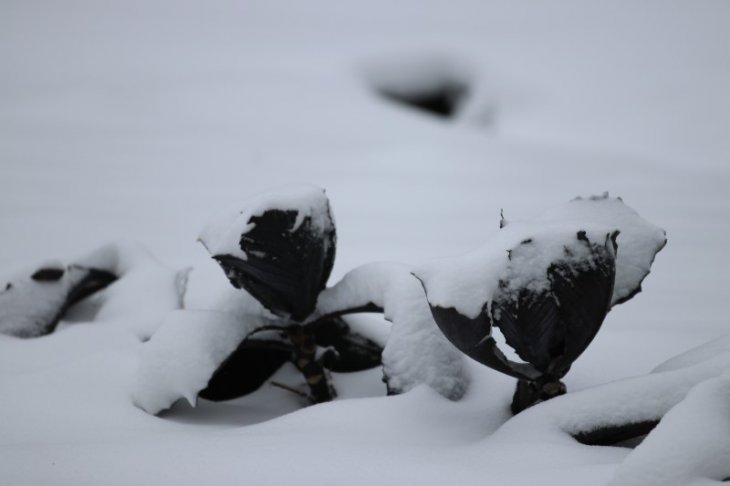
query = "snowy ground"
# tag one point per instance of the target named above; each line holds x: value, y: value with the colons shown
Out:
x: 139, y: 121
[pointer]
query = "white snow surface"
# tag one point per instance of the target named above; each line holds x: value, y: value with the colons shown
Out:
x: 139, y: 120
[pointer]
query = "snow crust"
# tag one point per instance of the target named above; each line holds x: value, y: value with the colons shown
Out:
x: 222, y: 236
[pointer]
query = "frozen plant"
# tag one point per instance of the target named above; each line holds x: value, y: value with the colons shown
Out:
x: 279, y: 249
x: 109, y: 284
x: 547, y: 285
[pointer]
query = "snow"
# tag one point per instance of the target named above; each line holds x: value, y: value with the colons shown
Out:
x: 140, y: 120
x: 415, y: 353
x: 698, y: 423
x: 182, y: 356
x: 631, y: 400
x: 130, y: 302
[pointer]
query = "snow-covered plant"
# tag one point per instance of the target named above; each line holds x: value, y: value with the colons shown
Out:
x: 279, y: 249
x: 117, y: 277
x: 547, y: 285
x: 111, y: 284
x: 32, y: 306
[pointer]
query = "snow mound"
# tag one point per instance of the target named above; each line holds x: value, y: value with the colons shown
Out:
x: 145, y: 292
x: 689, y: 446
x: 682, y: 406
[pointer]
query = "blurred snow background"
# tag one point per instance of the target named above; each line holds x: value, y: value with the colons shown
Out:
x: 139, y: 120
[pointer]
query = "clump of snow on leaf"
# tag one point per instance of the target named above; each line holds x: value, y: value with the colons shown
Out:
x: 469, y: 283
x: 222, y: 236
x: 182, y: 356
x: 638, y: 240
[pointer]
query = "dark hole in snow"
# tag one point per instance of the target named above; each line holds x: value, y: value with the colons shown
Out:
x: 441, y: 100
x: 48, y: 274
x: 435, y: 85
x: 631, y: 443
x: 624, y: 435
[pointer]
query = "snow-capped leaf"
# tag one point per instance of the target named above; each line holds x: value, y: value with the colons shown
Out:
x: 547, y: 284
x: 179, y: 360
x: 280, y: 247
